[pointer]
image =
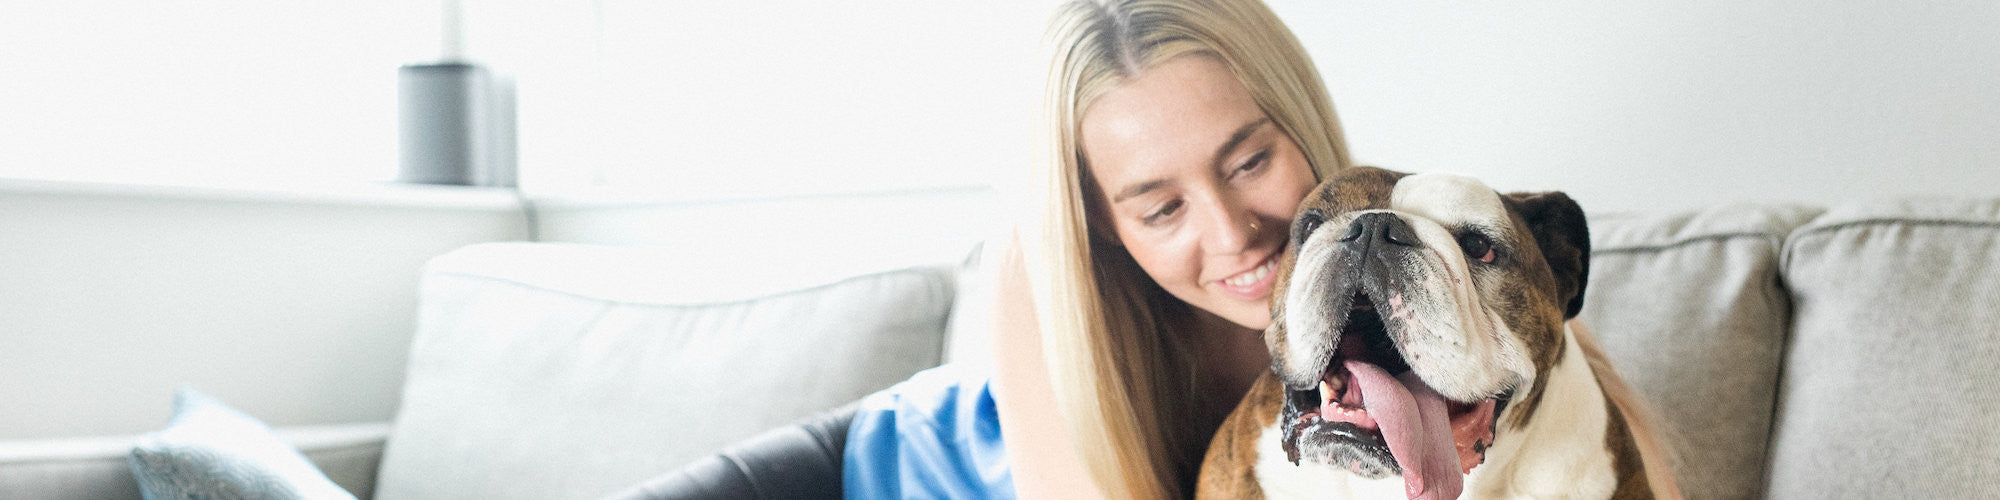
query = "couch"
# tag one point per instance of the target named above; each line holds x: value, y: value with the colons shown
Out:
x: 1806, y: 353
x: 1793, y: 351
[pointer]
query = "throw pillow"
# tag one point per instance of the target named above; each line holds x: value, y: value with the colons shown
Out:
x: 210, y: 450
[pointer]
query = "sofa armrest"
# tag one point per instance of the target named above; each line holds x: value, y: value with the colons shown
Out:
x: 96, y: 467
x: 68, y: 468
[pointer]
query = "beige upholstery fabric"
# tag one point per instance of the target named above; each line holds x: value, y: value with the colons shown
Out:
x: 1689, y: 308
x: 563, y: 371
x: 1890, y: 377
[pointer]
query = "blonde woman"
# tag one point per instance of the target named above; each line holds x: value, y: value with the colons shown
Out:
x: 1181, y: 137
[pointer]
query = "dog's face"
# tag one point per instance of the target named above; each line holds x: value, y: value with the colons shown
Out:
x: 1410, y: 311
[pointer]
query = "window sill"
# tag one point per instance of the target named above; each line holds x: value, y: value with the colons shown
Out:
x: 360, y: 194
x: 608, y: 198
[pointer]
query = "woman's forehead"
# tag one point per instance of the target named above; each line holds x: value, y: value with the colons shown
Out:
x: 1171, y: 117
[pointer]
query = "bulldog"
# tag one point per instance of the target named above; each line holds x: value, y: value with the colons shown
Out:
x: 1419, y: 349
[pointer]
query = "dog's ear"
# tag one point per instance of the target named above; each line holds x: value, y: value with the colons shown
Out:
x: 1560, y: 231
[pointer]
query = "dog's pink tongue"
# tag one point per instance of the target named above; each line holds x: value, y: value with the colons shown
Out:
x: 1414, y: 422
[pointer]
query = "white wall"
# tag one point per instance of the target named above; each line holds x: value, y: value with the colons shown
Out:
x: 294, y: 307
x: 1647, y: 105
x: 1670, y: 104
x: 684, y: 101
x: 245, y: 90
x: 923, y: 226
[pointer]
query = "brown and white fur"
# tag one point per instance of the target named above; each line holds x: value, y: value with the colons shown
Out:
x: 1477, y: 329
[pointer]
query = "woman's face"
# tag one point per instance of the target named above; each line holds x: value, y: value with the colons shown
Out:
x: 1200, y: 186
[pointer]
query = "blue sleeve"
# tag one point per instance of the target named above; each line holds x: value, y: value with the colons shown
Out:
x: 936, y: 435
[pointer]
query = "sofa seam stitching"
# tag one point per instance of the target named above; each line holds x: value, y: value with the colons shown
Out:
x: 1792, y: 241
x: 1891, y: 221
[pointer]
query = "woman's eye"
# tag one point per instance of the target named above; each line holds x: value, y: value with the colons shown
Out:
x: 1254, y: 163
x: 1167, y: 210
x: 1476, y: 246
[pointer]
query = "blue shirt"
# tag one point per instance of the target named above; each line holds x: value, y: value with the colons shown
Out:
x: 936, y: 435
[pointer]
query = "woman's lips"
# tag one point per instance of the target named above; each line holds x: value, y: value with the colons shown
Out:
x: 1252, y: 284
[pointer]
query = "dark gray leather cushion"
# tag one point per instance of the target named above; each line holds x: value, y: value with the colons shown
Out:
x: 1689, y: 307
x: 1890, y: 377
x: 802, y: 461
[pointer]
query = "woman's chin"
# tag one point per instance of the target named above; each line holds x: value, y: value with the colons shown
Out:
x: 1255, y: 318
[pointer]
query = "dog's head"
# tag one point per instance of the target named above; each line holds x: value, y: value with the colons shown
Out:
x: 1410, y: 310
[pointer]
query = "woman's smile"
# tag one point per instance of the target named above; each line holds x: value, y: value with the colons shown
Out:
x: 1253, y: 284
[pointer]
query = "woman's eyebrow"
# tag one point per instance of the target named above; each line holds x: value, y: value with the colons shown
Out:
x: 1237, y: 138
x: 1138, y: 189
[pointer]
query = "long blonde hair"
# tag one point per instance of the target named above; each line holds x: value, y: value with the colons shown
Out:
x: 1114, y: 341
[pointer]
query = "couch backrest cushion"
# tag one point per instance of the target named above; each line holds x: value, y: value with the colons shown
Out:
x: 1889, y: 379
x: 1689, y: 307
x: 568, y: 371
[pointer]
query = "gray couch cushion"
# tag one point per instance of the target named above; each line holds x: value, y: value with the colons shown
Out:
x: 568, y: 371
x: 1690, y: 310
x: 1889, y: 381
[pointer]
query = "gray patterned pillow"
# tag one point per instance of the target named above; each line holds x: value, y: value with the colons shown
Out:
x: 210, y: 450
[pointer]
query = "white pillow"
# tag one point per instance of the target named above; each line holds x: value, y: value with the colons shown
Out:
x: 210, y: 450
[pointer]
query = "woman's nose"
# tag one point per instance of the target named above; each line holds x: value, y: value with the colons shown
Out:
x: 1231, y: 228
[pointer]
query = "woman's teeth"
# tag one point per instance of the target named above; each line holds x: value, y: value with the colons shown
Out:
x: 1253, y: 275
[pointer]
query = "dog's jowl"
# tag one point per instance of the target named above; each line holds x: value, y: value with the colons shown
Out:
x: 1419, y: 350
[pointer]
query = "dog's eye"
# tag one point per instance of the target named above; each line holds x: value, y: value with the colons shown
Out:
x: 1307, y: 222
x: 1476, y: 246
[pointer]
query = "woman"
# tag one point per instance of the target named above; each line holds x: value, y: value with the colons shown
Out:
x: 1181, y: 137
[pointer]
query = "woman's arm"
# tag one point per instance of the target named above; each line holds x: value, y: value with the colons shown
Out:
x: 1044, y: 460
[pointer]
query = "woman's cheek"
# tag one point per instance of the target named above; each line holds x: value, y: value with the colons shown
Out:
x: 1168, y: 261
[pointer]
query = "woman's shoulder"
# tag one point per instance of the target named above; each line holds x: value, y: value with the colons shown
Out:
x: 936, y: 435
x: 949, y: 391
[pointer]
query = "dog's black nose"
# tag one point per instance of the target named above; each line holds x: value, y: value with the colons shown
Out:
x: 1381, y: 227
